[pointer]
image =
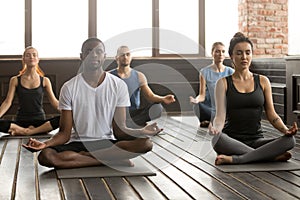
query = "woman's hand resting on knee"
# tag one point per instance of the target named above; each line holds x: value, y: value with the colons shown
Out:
x: 293, y: 130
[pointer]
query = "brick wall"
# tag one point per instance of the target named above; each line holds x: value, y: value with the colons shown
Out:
x: 265, y: 22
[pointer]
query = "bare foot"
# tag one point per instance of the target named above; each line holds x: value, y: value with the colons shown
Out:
x: 223, y: 159
x: 283, y: 157
x: 17, y: 131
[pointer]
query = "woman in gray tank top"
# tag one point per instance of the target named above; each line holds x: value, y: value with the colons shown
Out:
x: 240, y: 100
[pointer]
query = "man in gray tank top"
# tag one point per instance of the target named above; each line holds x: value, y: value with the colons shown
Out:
x: 136, y: 81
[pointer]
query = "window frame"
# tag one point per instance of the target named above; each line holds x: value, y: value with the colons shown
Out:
x: 92, y: 28
x: 201, y: 31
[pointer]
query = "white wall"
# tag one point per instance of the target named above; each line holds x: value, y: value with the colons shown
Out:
x: 294, y: 27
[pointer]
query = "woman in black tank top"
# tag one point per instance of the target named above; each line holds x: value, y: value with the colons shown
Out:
x: 29, y: 86
x: 240, y: 100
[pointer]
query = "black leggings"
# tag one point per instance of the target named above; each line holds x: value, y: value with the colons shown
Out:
x: 141, y: 116
x: 5, y: 124
x: 87, y: 146
x: 261, y: 149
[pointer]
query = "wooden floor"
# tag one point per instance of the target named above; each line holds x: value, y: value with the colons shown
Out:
x: 181, y: 174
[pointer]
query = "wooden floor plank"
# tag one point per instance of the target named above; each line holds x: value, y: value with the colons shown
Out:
x: 202, y: 179
x: 180, y: 163
x: 8, y: 169
x: 73, y: 189
x: 2, y: 147
x: 26, y: 176
x: 296, y: 172
x: 279, y: 183
x: 48, y: 184
x: 179, y: 144
x: 121, y: 189
x: 289, y: 176
x: 262, y: 186
x: 244, y: 190
x: 145, y: 188
x: 96, y: 188
x: 227, y: 180
x: 189, y: 185
x: 167, y: 186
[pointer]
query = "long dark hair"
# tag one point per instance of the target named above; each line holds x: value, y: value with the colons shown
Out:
x: 237, y: 38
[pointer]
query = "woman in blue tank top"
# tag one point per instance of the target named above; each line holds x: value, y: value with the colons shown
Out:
x: 204, y: 104
x: 29, y: 86
x: 240, y: 100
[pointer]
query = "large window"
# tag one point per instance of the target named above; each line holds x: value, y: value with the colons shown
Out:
x: 125, y: 23
x: 179, y: 27
x: 294, y: 29
x: 12, y: 27
x: 221, y: 22
x: 57, y: 28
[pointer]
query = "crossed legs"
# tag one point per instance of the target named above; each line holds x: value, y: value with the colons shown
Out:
x: 31, y: 130
x: 120, y: 152
x: 236, y: 152
x: 33, y: 127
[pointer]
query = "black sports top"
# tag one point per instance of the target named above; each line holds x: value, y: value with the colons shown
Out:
x: 244, y: 111
x: 30, y: 102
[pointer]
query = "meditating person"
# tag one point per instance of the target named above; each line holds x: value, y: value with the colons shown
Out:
x: 29, y: 85
x: 240, y: 100
x: 203, y: 103
x: 93, y: 103
x: 137, y: 86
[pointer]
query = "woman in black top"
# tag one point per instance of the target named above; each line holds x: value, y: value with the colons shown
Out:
x: 29, y: 85
x: 240, y: 100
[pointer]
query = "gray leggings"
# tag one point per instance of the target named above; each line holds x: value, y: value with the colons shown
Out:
x: 261, y: 149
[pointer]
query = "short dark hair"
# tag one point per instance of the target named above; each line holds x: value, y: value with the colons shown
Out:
x: 237, y: 38
x: 90, y: 40
x: 121, y: 47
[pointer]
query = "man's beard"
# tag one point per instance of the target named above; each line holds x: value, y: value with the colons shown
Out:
x: 124, y: 64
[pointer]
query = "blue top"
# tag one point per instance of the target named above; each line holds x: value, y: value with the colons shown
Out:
x: 30, y: 102
x: 211, y: 77
x: 133, y: 85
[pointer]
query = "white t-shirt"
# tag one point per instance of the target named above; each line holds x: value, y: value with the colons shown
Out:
x: 93, y: 108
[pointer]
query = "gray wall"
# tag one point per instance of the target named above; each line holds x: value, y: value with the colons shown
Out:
x: 165, y: 75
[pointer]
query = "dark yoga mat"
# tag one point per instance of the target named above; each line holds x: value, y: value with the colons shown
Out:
x: 261, y: 167
x: 141, y: 168
x: 40, y: 135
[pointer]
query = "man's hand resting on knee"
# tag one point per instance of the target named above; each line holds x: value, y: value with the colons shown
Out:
x: 34, y: 145
x: 151, y: 129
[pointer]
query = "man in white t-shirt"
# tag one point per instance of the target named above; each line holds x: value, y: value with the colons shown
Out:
x: 93, y: 103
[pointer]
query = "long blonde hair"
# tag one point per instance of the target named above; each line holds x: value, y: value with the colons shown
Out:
x: 37, y: 67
